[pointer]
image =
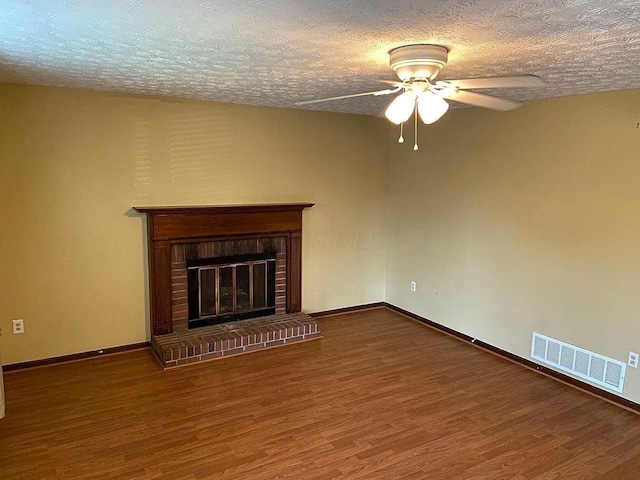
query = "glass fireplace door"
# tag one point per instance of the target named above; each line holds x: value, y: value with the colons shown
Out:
x: 228, y: 290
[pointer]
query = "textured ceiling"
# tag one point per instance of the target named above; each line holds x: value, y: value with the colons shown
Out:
x: 278, y: 52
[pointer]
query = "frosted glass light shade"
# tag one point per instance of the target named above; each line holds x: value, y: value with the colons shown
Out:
x: 431, y: 107
x: 401, y: 108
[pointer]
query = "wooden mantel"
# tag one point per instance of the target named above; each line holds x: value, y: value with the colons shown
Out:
x: 169, y: 225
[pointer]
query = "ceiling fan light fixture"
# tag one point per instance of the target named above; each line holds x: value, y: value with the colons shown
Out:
x: 418, y: 61
x: 401, y: 108
x: 431, y: 107
x: 417, y: 67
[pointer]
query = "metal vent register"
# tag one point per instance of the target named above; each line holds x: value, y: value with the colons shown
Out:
x: 598, y: 369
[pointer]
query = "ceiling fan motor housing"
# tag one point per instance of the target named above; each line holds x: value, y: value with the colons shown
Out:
x: 418, y: 61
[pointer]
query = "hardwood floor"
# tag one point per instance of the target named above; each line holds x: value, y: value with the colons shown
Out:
x: 380, y: 397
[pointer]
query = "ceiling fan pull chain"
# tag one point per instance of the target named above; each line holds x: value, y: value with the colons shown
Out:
x: 401, y: 139
x: 415, y: 130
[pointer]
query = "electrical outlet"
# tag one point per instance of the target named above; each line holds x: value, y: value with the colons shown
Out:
x: 633, y: 360
x: 413, y: 286
x: 18, y: 326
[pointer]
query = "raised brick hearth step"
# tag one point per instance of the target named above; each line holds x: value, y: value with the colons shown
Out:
x: 207, y: 343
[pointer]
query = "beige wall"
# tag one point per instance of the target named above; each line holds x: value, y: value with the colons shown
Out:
x: 73, y: 163
x: 524, y: 221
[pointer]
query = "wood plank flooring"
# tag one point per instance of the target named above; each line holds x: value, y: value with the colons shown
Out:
x: 380, y: 397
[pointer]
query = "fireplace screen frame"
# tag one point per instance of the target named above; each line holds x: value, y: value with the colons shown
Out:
x: 199, y: 316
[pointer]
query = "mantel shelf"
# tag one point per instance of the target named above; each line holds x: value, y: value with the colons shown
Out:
x: 223, y: 209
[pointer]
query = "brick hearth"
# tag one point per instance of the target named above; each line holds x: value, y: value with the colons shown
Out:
x: 185, y: 346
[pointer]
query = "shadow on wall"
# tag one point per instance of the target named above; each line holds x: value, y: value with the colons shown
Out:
x: 189, y: 150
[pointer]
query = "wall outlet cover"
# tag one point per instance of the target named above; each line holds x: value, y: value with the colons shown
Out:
x: 633, y: 360
x: 18, y: 326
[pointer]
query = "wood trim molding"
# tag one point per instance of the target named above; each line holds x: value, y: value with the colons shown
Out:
x: 341, y: 311
x: 169, y: 225
x: 74, y: 357
x: 186, y: 223
x: 536, y: 367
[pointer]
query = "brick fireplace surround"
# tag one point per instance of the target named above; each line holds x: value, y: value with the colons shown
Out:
x: 178, y: 234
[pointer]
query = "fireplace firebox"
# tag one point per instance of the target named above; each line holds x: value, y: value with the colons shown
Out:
x: 224, y: 289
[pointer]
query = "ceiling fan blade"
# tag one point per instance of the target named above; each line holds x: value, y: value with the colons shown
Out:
x: 518, y: 81
x: 485, y: 101
x: 341, y: 97
x: 395, y: 83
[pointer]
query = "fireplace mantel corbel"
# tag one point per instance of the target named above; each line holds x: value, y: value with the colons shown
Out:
x: 170, y: 225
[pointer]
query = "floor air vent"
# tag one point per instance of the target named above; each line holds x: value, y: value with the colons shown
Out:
x: 582, y: 363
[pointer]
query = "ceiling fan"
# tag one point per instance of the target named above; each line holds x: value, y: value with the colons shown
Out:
x: 417, y: 67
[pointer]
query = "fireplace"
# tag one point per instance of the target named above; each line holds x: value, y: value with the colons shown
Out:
x: 210, y: 267
x: 213, y: 242
x: 223, y: 289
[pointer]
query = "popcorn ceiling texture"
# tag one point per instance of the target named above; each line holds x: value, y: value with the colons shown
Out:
x: 275, y: 53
